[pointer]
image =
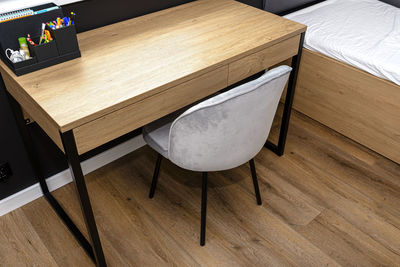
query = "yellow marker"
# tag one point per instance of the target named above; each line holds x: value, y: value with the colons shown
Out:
x: 48, y: 35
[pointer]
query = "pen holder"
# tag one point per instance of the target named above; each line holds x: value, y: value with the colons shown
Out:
x: 67, y: 41
x: 24, y: 63
x: 45, y: 51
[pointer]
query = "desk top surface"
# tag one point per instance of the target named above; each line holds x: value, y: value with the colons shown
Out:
x: 128, y: 61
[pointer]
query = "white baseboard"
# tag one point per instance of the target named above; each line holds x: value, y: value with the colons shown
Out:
x: 60, y: 179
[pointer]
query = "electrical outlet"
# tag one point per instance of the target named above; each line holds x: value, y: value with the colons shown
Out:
x: 5, y: 171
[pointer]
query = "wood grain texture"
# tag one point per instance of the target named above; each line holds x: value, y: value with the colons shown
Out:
x: 329, y: 201
x: 359, y: 105
x: 20, y: 244
x: 262, y: 60
x: 126, y: 62
x: 111, y: 126
x: 30, y: 106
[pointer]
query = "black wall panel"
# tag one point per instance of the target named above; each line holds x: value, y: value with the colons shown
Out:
x: 287, y: 6
x: 96, y: 13
x: 283, y: 7
x: 90, y: 14
x: 12, y: 150
x: 392, y: 2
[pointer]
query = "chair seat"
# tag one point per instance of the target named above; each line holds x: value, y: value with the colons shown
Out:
x: 156, y: 134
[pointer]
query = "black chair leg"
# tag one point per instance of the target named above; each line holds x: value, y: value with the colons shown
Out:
x: 255, y: 181
x: 155, y: 176
x: 203, y: 209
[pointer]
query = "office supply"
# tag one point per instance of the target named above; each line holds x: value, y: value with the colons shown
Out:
x: 215, y: 134
x: 60, y: 23
x: 30, y: 40
x: 14, y: 56
x: 10, y: 31
x: 51, y: 25
x: 42, y: 33
x: 48, y: 36
x: 16, y: 15
x: 67, y: 41
x: 175, y: 61
x: 45, y: 51
x: 46, y: 10
x: 73, y: 15
x: 24, y: 47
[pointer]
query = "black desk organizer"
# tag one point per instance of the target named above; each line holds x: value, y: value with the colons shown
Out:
x: 64, y: 46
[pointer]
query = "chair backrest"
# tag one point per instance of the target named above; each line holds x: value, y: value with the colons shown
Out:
x: 229, y: 129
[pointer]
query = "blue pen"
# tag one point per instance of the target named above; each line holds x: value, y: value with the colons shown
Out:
x: 65, y: 19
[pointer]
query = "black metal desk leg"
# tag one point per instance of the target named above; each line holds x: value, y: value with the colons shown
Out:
x: 71, y: 152
x: 287, y: 111
x: 95, y: 252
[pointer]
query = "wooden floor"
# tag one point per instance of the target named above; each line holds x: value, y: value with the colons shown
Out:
x: 328, y: 201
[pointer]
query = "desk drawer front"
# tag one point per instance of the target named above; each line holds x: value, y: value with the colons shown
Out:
x: 259, y: 61
x: 123, y: 121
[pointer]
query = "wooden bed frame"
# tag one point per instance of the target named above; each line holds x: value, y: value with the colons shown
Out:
x: 350, y: 101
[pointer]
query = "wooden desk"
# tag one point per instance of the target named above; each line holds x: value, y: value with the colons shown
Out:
x: 136, y: 71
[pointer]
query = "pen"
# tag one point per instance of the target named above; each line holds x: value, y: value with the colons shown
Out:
x: 65, y: 19
x: 30, y: 40
x: 48, y: 35
x: 72, y: 19
x: 41, y: 37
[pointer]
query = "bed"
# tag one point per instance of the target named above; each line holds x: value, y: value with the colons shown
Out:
x: 349, y: 77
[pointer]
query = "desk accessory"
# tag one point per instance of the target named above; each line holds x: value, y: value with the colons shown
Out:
x: 67, y: 41
x: 46, y: 10
x: 44, y: 51
x: 23, y: 45
x: 17, y: 59
x: 16, y: 15
x: 42, y: 42
x: 14, y: 56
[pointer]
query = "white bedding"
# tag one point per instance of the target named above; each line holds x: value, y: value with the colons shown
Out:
x: 362, y: 33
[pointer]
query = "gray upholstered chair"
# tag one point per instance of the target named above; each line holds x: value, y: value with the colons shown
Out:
x: 220, y: 133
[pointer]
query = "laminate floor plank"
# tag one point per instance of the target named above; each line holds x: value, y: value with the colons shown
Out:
x: 52, y: 233
x: 20, y: 245
x: 340, y: 197
x: 175, y: 214
x: 295, y: 247
x: 222, y: 221
x: 372, y: 187
x: 279, y: 196
x: 285, y: 239
x: 142, y: 242
x: 327, y: 202
x: 336, y: 189
x: 345, y: 242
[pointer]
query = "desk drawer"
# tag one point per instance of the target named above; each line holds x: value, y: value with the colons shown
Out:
x: 123, y: 121
x: 247, y: 66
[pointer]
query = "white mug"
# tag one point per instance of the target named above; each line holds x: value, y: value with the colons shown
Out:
x: 15, y: 56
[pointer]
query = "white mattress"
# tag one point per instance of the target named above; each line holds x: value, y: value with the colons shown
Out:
x: 362, y: 33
